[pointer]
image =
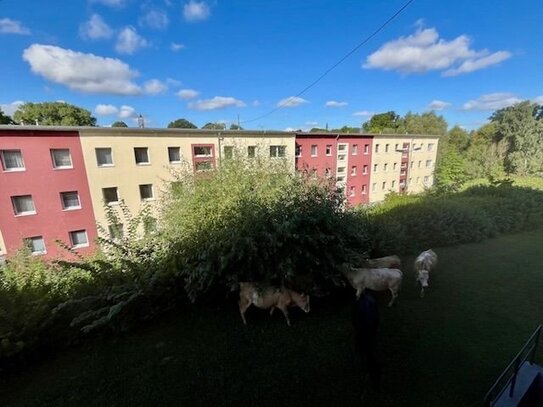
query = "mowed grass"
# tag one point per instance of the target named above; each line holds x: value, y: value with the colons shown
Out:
x: 444, y: 350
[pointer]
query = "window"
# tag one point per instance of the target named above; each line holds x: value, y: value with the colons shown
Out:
x: 342, y: 147
x: 341, y: 157
x: 384, y: 185
x: 396, y: 147
x: 23, y: 205
x: 313, y: 150
x: 365, y: 169
x: 149, y: 224
x: 411, y: 165
x: 421, y: 146
x: 228, y: 152
x: 142, y: 155
x: 430, y: 147
x: 340, y: 178
x: 79, y: 239
x: 426, y: 179
x: 327, y: 172
x: 36, y: 244
x: 202, y: 151
x: 353, y: 170
x: 373, y: 187
x: 385, y: 166
x: 394, y: 166
x: 70, y: 200
x: 174, y: 155
x: 366, y: 148
x: 341, y: 170
x: 278, y: 151
x: 364, y: 187
x: 203, y: 166
x: 251, y: 151
x: 418, y: 180
x: 12, y: 160
x: 428, y: 163
x: 386, y: 147
x: 420, y: 163
x: 146, y: 192
x: 393, y: 184
x: 354, y: 149
x: 329, y: 149
x: 352, y: 191
x: 61, y: 158
x: 110, y: 195
x: 298, y: 151
x: 377, y: 148
x: 116, y: 231
x: 374, y: 167
x: 104, y: 158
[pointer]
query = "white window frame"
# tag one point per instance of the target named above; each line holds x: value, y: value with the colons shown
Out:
x: 377, y: 149
x: 254, y: 151
x: 112, y: 202
x: 278, y: 151
x: 13, y: 169
x: 79, y: 245
x: 354, y: 149
x: 366, y: 149
x: 430, y: 146
x: 352, y: 190
x: 152, y: 197
x: 375, y: 168
x: 230, y: 154
x: 384, y: 185
x: 328, y: 149
x: 385, y: 167
x: 428, y: 163
x: 353, y: 170
x: 205, y: 155
x: 386, y: 147
x: 24, y: 213
x: 314, y: 150
x: 112, y: 164
x: 31, y: 240
x: 70, y: 208
x: 172, y: 148
x: 61, y: 167
x: 146, y: 149
x: 364, y: 189
x: 365, y: 169
x: 297, y: 150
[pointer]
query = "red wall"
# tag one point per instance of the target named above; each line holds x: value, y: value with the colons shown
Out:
x: 306, y: 162
x: 45, y: 183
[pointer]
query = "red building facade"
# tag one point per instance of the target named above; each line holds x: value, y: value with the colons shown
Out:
x: 44, y: 193
x: 345, y: 157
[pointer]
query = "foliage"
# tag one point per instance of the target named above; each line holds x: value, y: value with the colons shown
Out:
x: 53, y: 114
x: 214, y: 126
x: 181, y: 124
x: 383, y: 122
x: 5, y: 119
x: 425, y: 123
x: 458, y: 138
x: 256, y: 220
x: 119, y: 124
x: 450, y: 173
x: 234, y: 126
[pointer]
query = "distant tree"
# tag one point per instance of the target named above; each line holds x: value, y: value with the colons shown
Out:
x: 450, y: 173
x: 458, y: 138
x: 425, y: 123
x: 318, y: 130
x: 181, y: 124
x: 119, y: 124
x: 5, y: 119
x: 214, y: 126
x: 234, y: 126
x: 345, y: 129
x: 53, y: 114
x: 520, y: 126
x: 383, y: 122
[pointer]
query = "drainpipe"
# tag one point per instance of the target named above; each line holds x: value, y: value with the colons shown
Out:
x: 219, y: 139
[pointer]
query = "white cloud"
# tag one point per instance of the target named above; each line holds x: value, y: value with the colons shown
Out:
x: 292, y: 101
x: 86, y: 73
x: 196, y: 11
x: 539, y: 100
x: 438, y: 105
x: 11, y: 108
x: 311, y: 123
x: 173, y: 82
x: 334, y: 103
x: 256, y: 103
x: 129, y: 41
x: 218, y: 102
x: 363, y: 113
x: 9, y: 26
x: 154, y: 87
x: 290, y: 129
x: 175, y: 46
x: 105, y: 110
x: 187, y: 94
x: 95, y: 29
x: 424, y: 51
x: 491, y: 101
x: 155, y: 19
x: 111, y: 3
x: 126, y: 111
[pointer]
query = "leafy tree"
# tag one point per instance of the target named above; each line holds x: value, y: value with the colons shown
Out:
x: 485, y: 155
x: 234, y: 126
x: 53, y: 114
x: 119, y: 124
x: 5, y: 119
x: 458, y: 138
x: 521, y: 127
x: 450, y: 173
x: 181, y: 124
x: 318, y: 130
x: 425, y: 123
x: 214, y: 126
x: 344, y: 129
x: 383, y: 123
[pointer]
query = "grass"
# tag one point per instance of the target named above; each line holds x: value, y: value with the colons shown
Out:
x: 446, y: 349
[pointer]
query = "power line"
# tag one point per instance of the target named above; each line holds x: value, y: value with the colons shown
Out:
x: 373, y: 34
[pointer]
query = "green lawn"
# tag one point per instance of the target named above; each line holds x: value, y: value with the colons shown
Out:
x: 444, y: 350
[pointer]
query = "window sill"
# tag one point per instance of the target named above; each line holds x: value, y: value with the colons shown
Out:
x: 63, y: 168
x: 143, y: 164
x: 106, y: 165
x: 79, y: 246
x: 72, y: 208
x: 148, y: 199
x: 38, y: 253
x: 115, y: 203
x: 25, y: 214
x: 14, y: 170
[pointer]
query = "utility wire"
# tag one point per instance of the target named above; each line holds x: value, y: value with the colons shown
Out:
x: 373, y: 34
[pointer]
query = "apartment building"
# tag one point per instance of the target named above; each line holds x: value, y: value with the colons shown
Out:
x: 345, y: 157
x: 402, y: 164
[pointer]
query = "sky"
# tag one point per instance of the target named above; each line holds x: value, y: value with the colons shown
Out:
x: 246, y: 60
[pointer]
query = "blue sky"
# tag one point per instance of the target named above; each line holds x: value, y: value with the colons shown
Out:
x: 214, y: 60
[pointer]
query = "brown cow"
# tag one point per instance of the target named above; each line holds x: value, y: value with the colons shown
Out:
x: 388, y: 262
x: 270, y: 298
